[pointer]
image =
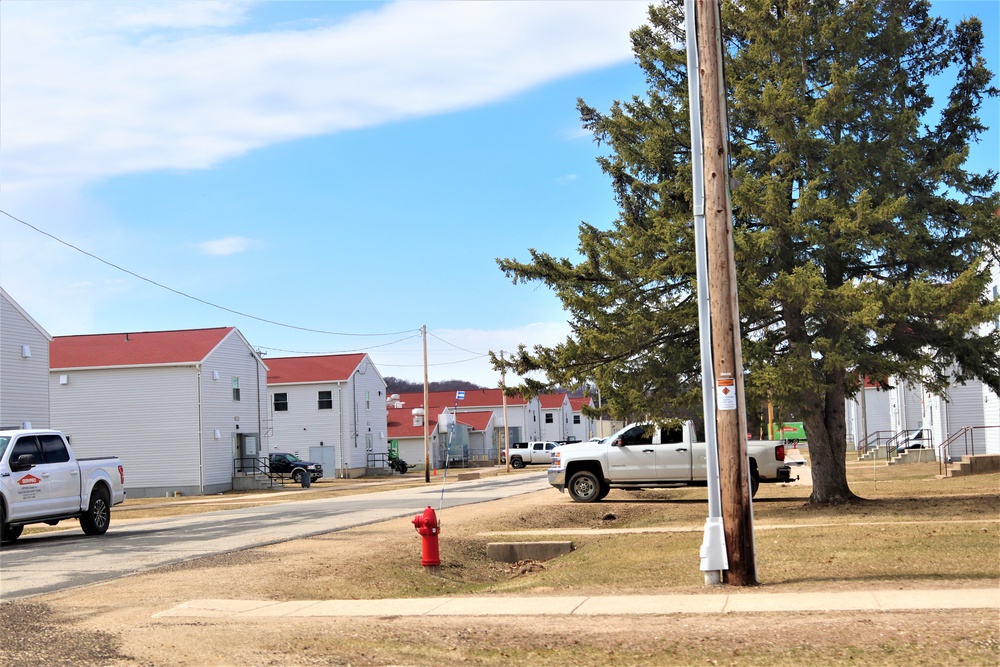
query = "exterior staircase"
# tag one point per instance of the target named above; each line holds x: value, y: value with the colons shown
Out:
x: 980, y: 464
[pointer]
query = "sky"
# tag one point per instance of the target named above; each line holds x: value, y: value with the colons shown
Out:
x: 328, y: 177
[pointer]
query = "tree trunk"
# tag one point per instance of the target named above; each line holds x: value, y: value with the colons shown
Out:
x: 826, y: 427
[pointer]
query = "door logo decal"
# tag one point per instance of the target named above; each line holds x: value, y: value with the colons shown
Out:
x: 29, y: 479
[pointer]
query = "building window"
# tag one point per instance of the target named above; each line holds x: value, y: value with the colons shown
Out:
x: 368, y: 400
x: 576, y: 419
x: 548, y: 417
x: 236, y: 389
x: 281, y: 402
x: 326, y: 400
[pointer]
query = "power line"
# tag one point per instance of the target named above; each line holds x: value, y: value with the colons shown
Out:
x: 481, y: 354
x: 443, y: 363
x: 194, y: 298
x: 365, y: 349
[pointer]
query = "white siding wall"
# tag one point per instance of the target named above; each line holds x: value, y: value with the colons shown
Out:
x: 365, y: 397
x: 991, y: 402
x: 584, y: 430
x: 146, y: 416
x: 411, y: 450
x: 232, y: 358
x: 304, y: 425
x: 878, y: 408
x: 554, y: 430
x: 906, y: 411
x: 936, y: 417
x: 527, y: 417
x: 24, y: 381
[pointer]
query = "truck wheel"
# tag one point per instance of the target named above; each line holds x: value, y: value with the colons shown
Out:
x: 8, y: 533
x: 605, y: 490
x: 97, y: 518
x: 754, y: 482
x: 297, y: 475
x: 584, y: 487
x: 517, y: 462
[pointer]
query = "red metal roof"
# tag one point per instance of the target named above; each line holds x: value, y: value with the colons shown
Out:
x: 400, y: 424
x: 551, y: 401
x: 577, y: 402
x: 322, y: 368
x: 478, y: 421
x: 146, y: 348
x: 474, y: 398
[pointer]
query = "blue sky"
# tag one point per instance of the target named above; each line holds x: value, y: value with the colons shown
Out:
x: 340, y: 167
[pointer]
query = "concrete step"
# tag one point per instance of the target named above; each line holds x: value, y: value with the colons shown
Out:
x: 980, y: 464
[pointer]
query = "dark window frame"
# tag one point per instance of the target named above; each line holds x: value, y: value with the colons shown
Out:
x: 324, y: 402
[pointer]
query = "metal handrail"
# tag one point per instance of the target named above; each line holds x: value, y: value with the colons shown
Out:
x: 251, y: 465
x: 967, y: 435
x: 926, y: 441
x: 376, y: 461
x: 876, y: 437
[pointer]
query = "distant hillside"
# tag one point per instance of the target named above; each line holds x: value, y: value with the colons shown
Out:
x: 399, y: 386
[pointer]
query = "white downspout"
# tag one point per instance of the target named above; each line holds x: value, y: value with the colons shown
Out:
x: 201, y: 436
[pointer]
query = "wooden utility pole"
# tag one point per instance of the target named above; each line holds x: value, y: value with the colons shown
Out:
x: 737, y: 513
x: 427, y: 413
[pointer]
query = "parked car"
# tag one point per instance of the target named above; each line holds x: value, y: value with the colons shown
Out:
x: 284, y: 464
x: 918, y: 439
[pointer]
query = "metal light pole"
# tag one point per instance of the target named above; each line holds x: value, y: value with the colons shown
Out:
x: 713, y: 546
x: 427, y: 413
x: 734, y: 467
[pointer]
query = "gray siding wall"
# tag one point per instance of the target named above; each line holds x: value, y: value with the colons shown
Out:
x: 146, y: 416
x: 231, y: 359
x: 24, y: 381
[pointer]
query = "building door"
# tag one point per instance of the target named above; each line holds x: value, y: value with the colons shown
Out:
x: 247, y: 451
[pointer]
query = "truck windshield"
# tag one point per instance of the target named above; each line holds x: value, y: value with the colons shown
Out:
x: 292, y: 457
x: 4, y: 440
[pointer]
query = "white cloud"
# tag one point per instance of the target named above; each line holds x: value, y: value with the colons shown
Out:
x: 231, y: 245
x: 90, y: 90
x: 567, y: 179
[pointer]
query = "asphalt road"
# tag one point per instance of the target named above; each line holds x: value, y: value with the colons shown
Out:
x: 52, y: 562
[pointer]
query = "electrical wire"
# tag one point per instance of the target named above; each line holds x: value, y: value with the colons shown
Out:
x: 365, y: 349
x: 194, y: 298
x: 482, y: 354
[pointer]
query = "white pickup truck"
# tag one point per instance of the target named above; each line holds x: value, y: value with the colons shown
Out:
x: 645, y: 456
x: 42, y: 482
x: 523, y: 453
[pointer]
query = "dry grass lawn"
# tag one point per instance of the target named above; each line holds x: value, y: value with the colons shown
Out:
x: 912, y: 531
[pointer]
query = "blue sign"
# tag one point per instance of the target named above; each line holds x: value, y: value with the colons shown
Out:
x: 460, y: 396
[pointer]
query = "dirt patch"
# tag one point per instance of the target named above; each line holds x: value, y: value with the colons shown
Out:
x: 113, y: 623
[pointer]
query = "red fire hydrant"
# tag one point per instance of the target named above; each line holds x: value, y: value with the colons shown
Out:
x: 427, y: 525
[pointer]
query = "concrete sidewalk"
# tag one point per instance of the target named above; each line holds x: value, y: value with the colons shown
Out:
x: 709, y: 603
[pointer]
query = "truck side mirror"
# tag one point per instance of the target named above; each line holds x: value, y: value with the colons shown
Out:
x: 24, y: 462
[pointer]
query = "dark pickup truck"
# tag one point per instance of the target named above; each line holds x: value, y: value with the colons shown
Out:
x: 283, y: 464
